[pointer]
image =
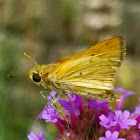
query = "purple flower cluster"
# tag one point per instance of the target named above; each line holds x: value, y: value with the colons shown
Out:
x: 93, y: 120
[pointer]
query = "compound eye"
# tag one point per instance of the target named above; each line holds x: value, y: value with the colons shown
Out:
x: 36, y: 77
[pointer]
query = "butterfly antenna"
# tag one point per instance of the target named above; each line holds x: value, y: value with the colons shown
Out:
x: 9, y: 75
x: 30, y: 58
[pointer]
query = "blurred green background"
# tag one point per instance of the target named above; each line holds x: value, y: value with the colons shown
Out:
x: 50, y: 30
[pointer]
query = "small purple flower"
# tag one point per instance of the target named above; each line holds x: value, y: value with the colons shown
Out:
x: 137, y: 112
x: 124, y: 92
x: 111, y: 136
x: 123, y: 96
x: 77, y: 101
x: 107, y: 122
x: 137, y: 108
x: 40, y: 114
x: 32, y: 136
x: 123, y: 120
x: 53, y: 93
x: 50, y: 114
x: 139, y: 125
x: 96, y: 103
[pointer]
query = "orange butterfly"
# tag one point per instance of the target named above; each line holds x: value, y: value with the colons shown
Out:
x: 90, y: 73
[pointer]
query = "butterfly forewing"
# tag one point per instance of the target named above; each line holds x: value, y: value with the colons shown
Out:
x: 91, y: 72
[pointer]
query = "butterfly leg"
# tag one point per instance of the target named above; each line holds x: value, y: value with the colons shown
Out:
x: 71, y: 104
x: 54, y: 99
x: 41, y: 92
x: 73, y: 109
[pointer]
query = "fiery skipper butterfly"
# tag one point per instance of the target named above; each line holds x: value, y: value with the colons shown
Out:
x: 90, y: 73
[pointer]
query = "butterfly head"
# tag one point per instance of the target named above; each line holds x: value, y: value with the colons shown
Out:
x: 35, y: 75
x: 39, y: 74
